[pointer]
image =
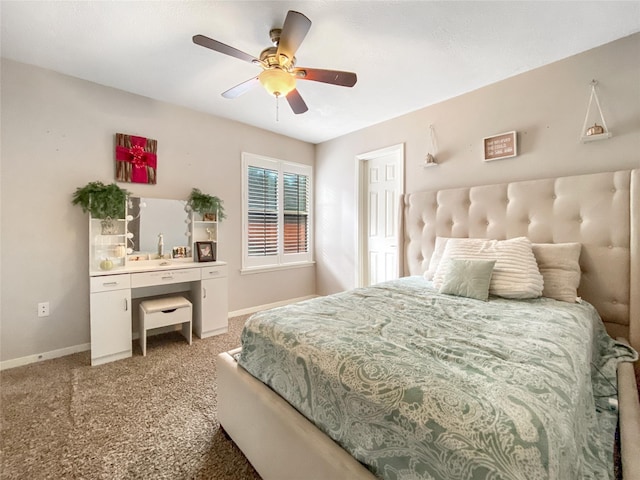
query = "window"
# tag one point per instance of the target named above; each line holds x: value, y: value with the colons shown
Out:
x: 276, y: 212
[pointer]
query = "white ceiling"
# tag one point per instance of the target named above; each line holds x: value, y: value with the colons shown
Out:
x: 407, y: 55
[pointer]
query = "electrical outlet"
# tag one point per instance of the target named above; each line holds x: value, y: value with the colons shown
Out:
x: 43, y: 309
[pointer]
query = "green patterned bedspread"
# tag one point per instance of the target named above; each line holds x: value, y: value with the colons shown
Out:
x: 420, y: 385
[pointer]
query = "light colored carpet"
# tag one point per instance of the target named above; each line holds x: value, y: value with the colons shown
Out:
x: 150, y: 417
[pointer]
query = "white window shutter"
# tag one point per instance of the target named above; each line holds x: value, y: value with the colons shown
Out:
x: 262, y: 231
x: 277, y: 223
x: 296, y: 213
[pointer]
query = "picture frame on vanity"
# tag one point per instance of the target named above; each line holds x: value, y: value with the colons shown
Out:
x: 180, y: 252
x: 206, y: 251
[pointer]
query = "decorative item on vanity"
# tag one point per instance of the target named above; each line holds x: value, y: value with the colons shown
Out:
x: 595, y: 132
x: 206, y: 251
x: 430, y: 158
x: 136, y: 159
x: 105, y: 202
x: 106, y: 264
x: 503, y: 145
x: 160, y: 245
x: 210, y: 207
x: 180, y: 252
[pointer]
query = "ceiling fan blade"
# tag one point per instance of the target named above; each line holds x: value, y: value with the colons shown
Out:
x: 334, y: 77
x: 222, y: 48
x: 296, y: 102
x: 295, y: 28
x: 241, y: 88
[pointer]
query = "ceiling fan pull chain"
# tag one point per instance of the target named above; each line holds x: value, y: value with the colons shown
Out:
x: 277, y: 108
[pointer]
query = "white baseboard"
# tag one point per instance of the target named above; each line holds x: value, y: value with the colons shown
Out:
x: 38, y: 357
x: 247, y: 311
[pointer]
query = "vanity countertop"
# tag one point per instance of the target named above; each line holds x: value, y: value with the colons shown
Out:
x: 154, y: 265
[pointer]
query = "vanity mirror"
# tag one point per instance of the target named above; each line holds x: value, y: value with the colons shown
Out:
x: 148, y: 218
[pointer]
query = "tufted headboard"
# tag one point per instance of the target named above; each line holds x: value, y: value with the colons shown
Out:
x: 601, y: 211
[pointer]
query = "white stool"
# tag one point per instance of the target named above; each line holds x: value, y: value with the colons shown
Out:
x: 162, y: 312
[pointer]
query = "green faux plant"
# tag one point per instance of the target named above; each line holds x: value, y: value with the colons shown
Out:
x: 101, y: 200
x: 204, y: 203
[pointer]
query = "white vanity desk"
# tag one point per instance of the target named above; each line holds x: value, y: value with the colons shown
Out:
x: 116, y: 293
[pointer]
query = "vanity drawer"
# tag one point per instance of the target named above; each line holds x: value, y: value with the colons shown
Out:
x: 218, y: 271
x: 110, y: 282
x: 164, y: 277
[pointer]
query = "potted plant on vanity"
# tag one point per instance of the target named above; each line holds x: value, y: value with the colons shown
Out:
x: 210, y: 207
x: 106, y: 202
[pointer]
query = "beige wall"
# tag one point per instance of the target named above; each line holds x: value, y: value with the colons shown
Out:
x: 546, y: 107
x: 58, y: 134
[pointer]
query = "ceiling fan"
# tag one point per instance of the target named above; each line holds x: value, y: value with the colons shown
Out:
x: 279, y: 73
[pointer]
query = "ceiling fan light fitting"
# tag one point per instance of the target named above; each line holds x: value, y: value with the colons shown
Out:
x: 277, y: 82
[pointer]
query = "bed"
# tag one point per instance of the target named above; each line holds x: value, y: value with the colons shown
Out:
x: 599, y: 212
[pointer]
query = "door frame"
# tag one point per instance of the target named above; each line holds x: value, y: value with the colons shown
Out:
x: 361, y: 203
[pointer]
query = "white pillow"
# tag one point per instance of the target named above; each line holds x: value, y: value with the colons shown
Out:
x: 515, y: 274
x: 560, y: 269
x: 436, y: 256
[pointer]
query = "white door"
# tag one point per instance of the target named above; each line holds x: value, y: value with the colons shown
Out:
x: 383, y: 186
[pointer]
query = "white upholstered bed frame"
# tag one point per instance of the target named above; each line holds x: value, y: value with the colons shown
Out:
x: 601, y: 211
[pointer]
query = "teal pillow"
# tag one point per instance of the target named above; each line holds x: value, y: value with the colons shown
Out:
x: 468, y: 278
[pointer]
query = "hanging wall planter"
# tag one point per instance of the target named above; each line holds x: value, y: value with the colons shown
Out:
x: 596, y: 131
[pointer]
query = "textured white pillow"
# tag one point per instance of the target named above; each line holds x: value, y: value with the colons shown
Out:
x: 560, y: 268
x: 515, y: 274
x: 436, y: 256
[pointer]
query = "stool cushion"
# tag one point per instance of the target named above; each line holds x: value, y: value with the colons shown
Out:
x: 164, y: 303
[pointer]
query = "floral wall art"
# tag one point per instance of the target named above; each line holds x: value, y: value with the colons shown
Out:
x: 136, y: 159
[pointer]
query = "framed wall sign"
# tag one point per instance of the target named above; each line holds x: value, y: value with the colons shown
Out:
x: 504, y: 145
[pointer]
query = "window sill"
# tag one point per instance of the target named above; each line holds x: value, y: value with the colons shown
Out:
x: 274, y: 268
